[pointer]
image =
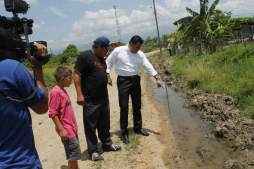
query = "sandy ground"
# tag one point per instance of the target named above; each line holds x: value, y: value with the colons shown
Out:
x: 158, y: 151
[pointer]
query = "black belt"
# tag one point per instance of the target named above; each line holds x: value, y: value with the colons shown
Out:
x: 129, y: 77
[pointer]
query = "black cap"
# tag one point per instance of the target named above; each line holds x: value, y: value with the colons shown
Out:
x: 103, y: 42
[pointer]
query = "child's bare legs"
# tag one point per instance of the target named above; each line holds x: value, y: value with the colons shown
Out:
x: 72, y: 164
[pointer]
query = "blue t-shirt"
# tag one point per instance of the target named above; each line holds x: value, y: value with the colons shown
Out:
x: 17, y: 148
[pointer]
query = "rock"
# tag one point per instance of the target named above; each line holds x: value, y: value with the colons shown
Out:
x: 229, y: 125
x: 221, y: 132
x: 167, y: 72
x: 233, y: 164
x: 248, y: 122
x: 170, y: 83
x: 201, y: 152
x: 251, y: 163
x: 229, y: 100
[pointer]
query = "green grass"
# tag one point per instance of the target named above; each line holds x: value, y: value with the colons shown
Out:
x: 49, y: 70
x: 228, y: 71
x: 49, y: 75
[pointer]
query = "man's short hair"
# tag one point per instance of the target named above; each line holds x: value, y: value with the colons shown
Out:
x: 136, y: 39
x: 62, y: 72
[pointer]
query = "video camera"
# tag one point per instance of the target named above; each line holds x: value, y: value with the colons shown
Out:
x: 14, y: 31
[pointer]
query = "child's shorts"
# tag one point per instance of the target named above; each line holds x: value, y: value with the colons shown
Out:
x: 72, y: 149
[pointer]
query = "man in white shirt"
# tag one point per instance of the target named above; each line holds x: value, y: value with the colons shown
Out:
x: 128, y: 60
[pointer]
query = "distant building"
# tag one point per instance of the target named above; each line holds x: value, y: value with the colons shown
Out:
x: 243, y: 28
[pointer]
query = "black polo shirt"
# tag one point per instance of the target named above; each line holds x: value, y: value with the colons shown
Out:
x: 93, y: 75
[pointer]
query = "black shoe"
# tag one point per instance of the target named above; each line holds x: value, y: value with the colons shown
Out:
x: 112, y: 147
x: 125, y: 139
x: 141, y: 132
x: 95, y: 156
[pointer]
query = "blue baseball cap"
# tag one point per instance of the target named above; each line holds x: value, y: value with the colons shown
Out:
x: 103, y: 42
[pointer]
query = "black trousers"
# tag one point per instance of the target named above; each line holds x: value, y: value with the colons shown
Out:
x: 129, y: 86
x: 97, y: 116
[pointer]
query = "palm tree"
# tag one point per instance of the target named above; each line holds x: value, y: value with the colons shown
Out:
x: 203, y: 29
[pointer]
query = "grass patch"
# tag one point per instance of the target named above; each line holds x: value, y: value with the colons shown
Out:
x: 49, y: 75
x: 228, y: 71
x: 49, y: 70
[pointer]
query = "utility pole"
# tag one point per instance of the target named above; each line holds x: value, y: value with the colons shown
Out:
x: 118, y: 30
x: 157, y: 26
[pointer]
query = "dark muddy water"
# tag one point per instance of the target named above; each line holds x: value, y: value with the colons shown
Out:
x: 198, y: 147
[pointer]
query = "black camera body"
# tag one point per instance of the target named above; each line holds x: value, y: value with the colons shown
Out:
x: 14, y: 31
x: 16, y: 6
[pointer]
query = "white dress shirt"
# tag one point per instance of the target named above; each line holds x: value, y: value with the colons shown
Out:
x: 128, y: 63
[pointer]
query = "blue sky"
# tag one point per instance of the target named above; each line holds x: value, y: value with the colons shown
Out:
x: 61, y: 22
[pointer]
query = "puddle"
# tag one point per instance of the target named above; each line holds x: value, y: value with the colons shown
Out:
x: 199, y: 148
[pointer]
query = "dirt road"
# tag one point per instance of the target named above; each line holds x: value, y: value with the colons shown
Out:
x: 158, y: 151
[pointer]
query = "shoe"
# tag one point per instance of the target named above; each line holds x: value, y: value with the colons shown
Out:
x: 125, y: 139
x: 112, y: 147
x: 141, y: 132
x: 95, y: 156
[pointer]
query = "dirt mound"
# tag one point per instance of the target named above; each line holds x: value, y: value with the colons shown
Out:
x: 222, y: 112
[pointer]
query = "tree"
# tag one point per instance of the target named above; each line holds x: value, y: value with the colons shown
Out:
x: 206, y: 29
x: 71, y: 52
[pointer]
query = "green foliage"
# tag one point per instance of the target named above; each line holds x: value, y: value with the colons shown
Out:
x: 206, y: 29
x: 175, y: 37
x: 242, y: 20
x: 151, y: 44
x: 67, y: 58
x: 49, y: 71
x: 70, y: 53
x: 228, y: 71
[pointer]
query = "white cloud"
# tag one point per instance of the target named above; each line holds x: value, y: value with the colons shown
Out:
x: 32, y: 1
x: 38, y: 24
x: 229, y: 4
x: 137, y: 21
x: 239, y: 8
x: 57, y: 11
x: 102, y: 22
x: 86, y: 1
x: 2, y: 6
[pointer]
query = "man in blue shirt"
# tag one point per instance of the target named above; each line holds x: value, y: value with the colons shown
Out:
x: 18, y: 92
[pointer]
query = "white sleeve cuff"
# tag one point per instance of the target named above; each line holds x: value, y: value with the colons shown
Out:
x: 154, y: 73
x: 108, y: 71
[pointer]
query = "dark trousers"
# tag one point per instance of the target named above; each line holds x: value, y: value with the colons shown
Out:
x: 129, y: 86
x: 97, y: 116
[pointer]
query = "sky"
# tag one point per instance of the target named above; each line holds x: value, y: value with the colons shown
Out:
x: 79, y: 22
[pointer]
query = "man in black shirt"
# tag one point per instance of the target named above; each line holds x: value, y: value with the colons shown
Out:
x: 90, y: 80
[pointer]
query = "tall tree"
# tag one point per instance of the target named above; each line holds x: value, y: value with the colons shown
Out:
x: 205, y: 28
x: 71, y: 51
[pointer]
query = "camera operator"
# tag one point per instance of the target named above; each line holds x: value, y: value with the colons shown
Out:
x: 19, y: 90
